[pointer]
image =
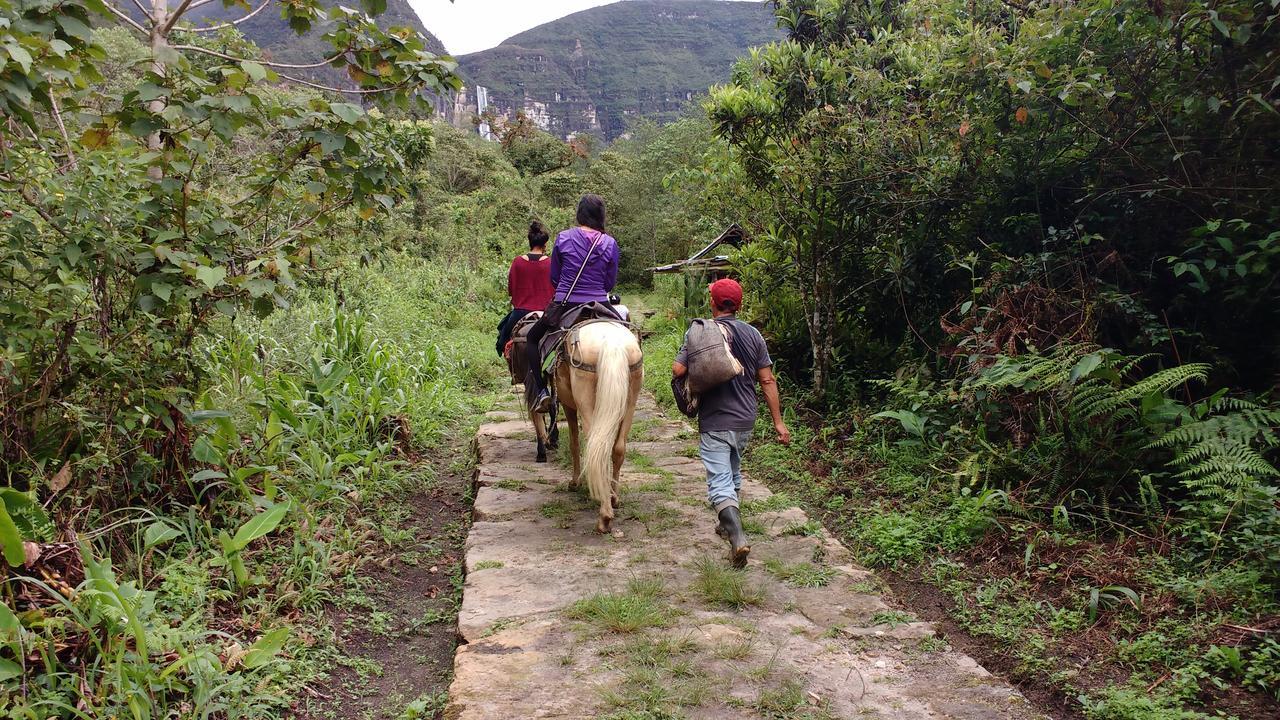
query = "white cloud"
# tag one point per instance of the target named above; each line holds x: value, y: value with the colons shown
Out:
x: 467, y: 26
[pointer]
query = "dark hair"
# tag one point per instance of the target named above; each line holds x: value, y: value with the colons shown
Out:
x: 537, y: 235
x: 591, y: 212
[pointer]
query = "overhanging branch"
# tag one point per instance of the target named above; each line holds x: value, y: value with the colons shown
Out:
x: 175, y: 16
x: 267, y: 63
x: 125, y: 17
x: 233, y: 23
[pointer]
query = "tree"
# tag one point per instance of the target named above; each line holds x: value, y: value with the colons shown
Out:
x: 194, y: 187
x: 532, y: 150
x: 841, y: 154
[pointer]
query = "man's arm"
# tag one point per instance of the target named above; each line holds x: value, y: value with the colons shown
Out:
x: 769, y: 384
x: 678, y: 369
x: 555, y: 267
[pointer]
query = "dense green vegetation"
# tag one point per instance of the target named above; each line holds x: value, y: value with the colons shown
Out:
x: 1016, y: 263
x: 221, y: 356
x: 637, y: 57
x: 1028, y: 256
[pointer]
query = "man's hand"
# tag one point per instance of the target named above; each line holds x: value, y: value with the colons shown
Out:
x: 678, y: 370
x: 784, y: 435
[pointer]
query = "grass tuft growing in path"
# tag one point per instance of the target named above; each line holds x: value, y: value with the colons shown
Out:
x: 639, y: 607
x: 721, y: 585
x: 801, y: 575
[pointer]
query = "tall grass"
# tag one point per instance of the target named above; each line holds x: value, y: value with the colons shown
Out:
x: 306, y: 421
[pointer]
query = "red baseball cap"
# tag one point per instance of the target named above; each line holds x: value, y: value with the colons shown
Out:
x: 726, y: 295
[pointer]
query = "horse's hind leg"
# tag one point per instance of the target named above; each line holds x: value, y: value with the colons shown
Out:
x: 540, y: 431
x: 571, y: 416
x: 553, y: 428
x: 620, y: 444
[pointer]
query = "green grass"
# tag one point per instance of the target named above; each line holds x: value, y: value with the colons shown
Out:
x: 655, y: 516
x: 789, y: 701
x: 488, y: 565
x: 660, y: 676
x: 808, y: 528
x: 736, y: 650
x: 892, y: 618
x: 665, y: 485
x: 722, y: 586
x: 801, y: 575
x: 773, y: 503
x: 639, y: 607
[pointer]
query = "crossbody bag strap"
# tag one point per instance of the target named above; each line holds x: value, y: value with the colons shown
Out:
x: 582, y: 267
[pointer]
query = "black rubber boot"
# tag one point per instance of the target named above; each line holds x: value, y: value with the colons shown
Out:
x: 739, y: 548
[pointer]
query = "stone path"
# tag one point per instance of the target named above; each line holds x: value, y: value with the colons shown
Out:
x: 648, y: 623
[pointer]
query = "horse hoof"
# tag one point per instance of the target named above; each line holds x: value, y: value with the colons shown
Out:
x: 602, y: 526
x: 541, y: 458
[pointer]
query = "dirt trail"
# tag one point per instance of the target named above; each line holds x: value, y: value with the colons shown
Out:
x: 558, y: 622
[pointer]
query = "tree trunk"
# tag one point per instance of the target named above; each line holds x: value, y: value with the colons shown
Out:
x: 159, y: 46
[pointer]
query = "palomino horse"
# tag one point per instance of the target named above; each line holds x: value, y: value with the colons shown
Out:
x: 598, y: 383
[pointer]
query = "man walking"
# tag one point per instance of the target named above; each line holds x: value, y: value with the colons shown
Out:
x: 727, y: 415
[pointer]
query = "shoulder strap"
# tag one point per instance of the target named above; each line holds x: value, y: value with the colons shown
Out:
x: 583, y: 267
x: 728, y: 327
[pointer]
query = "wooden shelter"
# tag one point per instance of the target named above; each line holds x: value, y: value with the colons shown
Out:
x: 705, y: 266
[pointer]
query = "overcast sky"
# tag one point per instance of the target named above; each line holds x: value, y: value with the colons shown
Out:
x: 466, y: 26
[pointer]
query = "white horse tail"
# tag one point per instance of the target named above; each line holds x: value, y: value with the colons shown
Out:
x: 613, y: 387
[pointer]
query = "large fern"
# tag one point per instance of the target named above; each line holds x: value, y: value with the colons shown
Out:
x: 1222, y: 454
x: 1091, y: 382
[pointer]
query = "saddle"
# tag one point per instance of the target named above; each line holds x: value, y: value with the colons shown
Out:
x: 553, y: 342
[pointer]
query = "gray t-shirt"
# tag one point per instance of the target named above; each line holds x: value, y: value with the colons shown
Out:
x: 733, y: 405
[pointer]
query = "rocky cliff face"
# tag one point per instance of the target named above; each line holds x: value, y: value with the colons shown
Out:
x: 593, y: 71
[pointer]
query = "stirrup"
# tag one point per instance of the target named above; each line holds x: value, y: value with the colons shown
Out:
x: 543, y: 402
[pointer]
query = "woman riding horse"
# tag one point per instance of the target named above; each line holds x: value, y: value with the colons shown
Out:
x: 584, y: 268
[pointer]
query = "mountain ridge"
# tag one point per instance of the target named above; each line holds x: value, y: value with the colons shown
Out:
x: 593, y: 70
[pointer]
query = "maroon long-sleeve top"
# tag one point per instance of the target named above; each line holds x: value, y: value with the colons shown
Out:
x: 529, y: 282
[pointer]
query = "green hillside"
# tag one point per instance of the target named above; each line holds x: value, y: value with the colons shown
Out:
x: 640, y: 57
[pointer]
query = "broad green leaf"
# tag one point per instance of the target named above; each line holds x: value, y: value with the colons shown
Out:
x: 75, y: 28
x: 10, y: 626
x: 253, y: 70
x: 266, y: 648
x: 19, y: 55
x: 11, y: 540
x: 211, y: 275
x: 158, y: 533
x: 259, y: 525
x: 349, y: 113
x: 9, y: 670
x: 199, y: 416
x: 204, y: 475
x: 1085, y: 365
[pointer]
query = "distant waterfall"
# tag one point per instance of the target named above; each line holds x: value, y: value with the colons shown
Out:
x: 482, y: 104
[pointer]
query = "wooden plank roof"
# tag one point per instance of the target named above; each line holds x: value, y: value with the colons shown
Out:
x: 703, y: 259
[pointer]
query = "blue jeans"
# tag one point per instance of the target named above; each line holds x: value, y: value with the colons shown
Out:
x: 721, y: 452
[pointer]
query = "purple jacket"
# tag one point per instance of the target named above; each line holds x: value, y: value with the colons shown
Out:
x: 601, y: 271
